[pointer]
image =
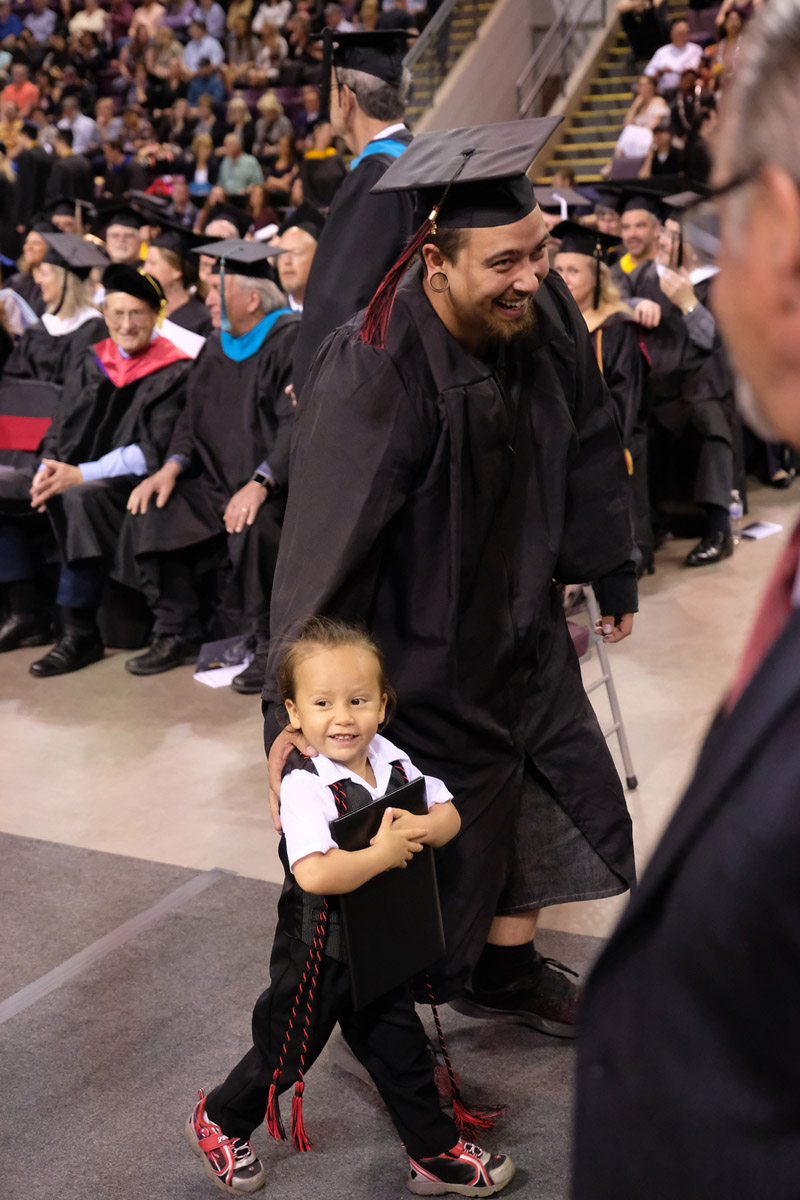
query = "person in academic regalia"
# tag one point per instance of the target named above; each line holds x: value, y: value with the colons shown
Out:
x: 298, y: 238
x: 690, y: 382
x: 71, y: 177
x: 34, y: 249
x: 33, y: 165
x: 48, y: 350
x: 168, y: 261
x: 581, y: 261
x: 367, y: 89
x: 455, y: 452
x: 112, y: 425
x: 218, y: 499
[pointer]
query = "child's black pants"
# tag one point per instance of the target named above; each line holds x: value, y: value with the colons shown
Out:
x: 387, y: 1037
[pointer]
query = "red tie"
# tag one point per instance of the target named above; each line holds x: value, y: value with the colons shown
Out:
x: 776, y: 608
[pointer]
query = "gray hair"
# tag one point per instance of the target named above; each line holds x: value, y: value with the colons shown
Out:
x: 270, y: 295
x: 377, y: 99
x: 75, y: 292
x: 761, y: 122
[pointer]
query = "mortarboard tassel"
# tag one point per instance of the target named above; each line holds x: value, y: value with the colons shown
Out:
x: 299, y: 1136
x: 273, y: 1119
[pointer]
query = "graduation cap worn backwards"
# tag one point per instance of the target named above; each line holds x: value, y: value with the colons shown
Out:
x: 580, y: 239
x: 474, y: 178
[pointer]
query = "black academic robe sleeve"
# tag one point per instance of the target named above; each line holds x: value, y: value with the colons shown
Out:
x: 597, y: 480
x: 363, y: 237
x: 38, y: 355
x: 623, y: 366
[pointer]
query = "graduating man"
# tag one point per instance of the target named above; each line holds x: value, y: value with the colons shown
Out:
x: 33, y: 165
x: 298, y: 238
x: 218, y: 499
x: 112, y: 425
x: 455, y: 451
x: 72, y: 177
x: 364, y: 232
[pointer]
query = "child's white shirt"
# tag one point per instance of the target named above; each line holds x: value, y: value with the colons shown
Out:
x: 308, y: 806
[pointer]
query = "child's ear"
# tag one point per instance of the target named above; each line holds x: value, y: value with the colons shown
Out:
x: 382, y: 713
x: 292, y: 713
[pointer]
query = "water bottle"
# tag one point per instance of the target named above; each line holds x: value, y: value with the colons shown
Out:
x: 736, y: 511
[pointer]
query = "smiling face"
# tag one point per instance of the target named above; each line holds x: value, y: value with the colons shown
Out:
x: 130, y: 321
x: 50, y: 281
x: 639, y: 230
x: 338, y: 702
x: 491, y: 280
x: 123, y: 243
x: 578, y: 273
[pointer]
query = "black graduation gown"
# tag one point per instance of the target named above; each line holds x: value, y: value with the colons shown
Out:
x: 71, y: 178
x: 33, y: 170
x: 436, y: 499
x: 621, y: 359
x: 26, y: 286
x: 40, y: 355
x: 193, y: 315
x: 237, y: 416
x: 363, y: 236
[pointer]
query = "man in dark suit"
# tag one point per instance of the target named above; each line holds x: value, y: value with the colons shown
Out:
x: 689, y: 1057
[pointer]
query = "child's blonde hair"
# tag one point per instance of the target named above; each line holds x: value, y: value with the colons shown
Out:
x: 329, y: 633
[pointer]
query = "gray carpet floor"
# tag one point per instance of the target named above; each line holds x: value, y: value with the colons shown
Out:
x: 97, y: 1077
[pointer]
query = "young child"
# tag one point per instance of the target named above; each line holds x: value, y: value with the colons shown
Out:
x: 333, y: 685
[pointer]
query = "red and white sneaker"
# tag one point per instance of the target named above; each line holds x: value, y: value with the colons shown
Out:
x: 466, y: 1170
x: 230, y: 1163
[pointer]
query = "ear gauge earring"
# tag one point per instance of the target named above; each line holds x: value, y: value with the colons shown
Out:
x: 442, y: 285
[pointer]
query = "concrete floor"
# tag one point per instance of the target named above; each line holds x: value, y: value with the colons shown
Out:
x: 169, y: 770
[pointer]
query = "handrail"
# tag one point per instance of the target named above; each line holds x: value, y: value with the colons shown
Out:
x: 434, y: 26
x: 554, y: 46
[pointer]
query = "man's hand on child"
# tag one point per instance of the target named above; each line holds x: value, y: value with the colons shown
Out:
x: 398, y: 845
x: 286, y: 741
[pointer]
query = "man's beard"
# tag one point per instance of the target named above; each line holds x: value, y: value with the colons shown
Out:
x: 752, y: 412
x: 502, y: 332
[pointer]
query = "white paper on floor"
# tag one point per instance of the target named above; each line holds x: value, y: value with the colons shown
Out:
x: 221, y: 676
x: 760, y: 529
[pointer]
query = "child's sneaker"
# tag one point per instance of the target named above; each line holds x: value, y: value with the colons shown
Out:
x: 231, y: 1163
x: 466, y: 1170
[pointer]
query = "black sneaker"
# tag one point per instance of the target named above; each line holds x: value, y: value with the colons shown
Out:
x: 544, y: 999
x: 168, y: 650
x: 231, y: 1163
x: 466, y: 1170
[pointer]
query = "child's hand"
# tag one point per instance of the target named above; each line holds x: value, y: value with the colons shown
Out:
x: 397, y: 846
x: 410, y: 823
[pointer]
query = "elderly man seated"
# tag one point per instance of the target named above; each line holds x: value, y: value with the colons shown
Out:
x: 113, y: 424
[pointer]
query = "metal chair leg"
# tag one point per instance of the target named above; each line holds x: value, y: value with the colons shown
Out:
x: 605, y: 665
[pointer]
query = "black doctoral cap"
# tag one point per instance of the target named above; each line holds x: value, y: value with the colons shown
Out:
x: 306, y: 217
x: 41, y: 223
x: 379, y: 53
x: 235, y: 256
x: 70, y: 251
x: 559, y: 200
x: 118, y: 277
x: 472, y: 178
x: 579, y: 239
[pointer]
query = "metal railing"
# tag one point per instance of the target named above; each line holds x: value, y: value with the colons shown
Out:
x: 441, y: 43
x: 556, y: 56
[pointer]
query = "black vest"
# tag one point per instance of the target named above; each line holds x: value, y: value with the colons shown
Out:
x: 298, y: 911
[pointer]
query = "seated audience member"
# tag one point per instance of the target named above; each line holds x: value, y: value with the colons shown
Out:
x: 335, y: 19
x: 397, y: 17
x: 689, y: 106
x: 677, y: 55
x: 108, y: 123
x: 200, y: 46
x: 176, y: 126
x: 367, y: 16
x: 181, y: 210
x: 243, y: 46
x: 220, y: 494
x: 640, y: 224
x: 120, y: 16
x: 40, y: 23
x: 178, y: 18
x: 10, y: 128
x: 118, y: 172
x: 205, y: 93
x: 647, y: 110
x: 238, y: 9
x: 663, y: 158
x: 21, y: 91
x: 214, y: 204
x: 10, y: 24
x: 85, y: 134
x: 260, y: 211
x: 271, y: 57
x: 133, y: 52
x: 690, y: 383
x: 616, y: 338
x: 297, y: 238
x: 307, y: 118
x: 238, y: 171
x: 147, y: 16
x: 89, y: 19
x: 282, y: 171
x: 725, y: 54
x: 201, y: 168
x: 213, y: 14
x: 241, y: 122
x: 112, y: 425
x: 644, y: 24
x: 271, y: 126
x: 70, y: 322
x: 71, y: 176
x: 162, y: 51
x: 272, y: 14
x: 137, y: 132
x: 168, y: 262
x: 34, y: 249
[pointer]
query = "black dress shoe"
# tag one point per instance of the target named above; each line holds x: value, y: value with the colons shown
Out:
x: 167, y: 651
x: 250, y: 681
x: 712, y: 549
x: 544, y: 999
x: 782, y: 479
x: 18, y: 630
x: 75, y: 649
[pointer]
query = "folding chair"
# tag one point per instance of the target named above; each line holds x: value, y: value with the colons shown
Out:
x: 585, y: 640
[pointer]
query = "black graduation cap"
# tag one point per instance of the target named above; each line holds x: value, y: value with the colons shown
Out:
x: 70, y: 251
x: 118, y: 277
x: 237, y: 257
x: 41, y: 223
x: 473, y: 178
x: 83, y: 209
x: 227, y: 212
x: 580, y: 239
x: 378, y: 52
x: 177, y: 238
x: 306, y: 217
x: 120, y: 212
x: 559, y: 199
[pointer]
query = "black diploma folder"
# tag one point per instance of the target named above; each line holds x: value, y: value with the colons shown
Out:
x: 392, y: 924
